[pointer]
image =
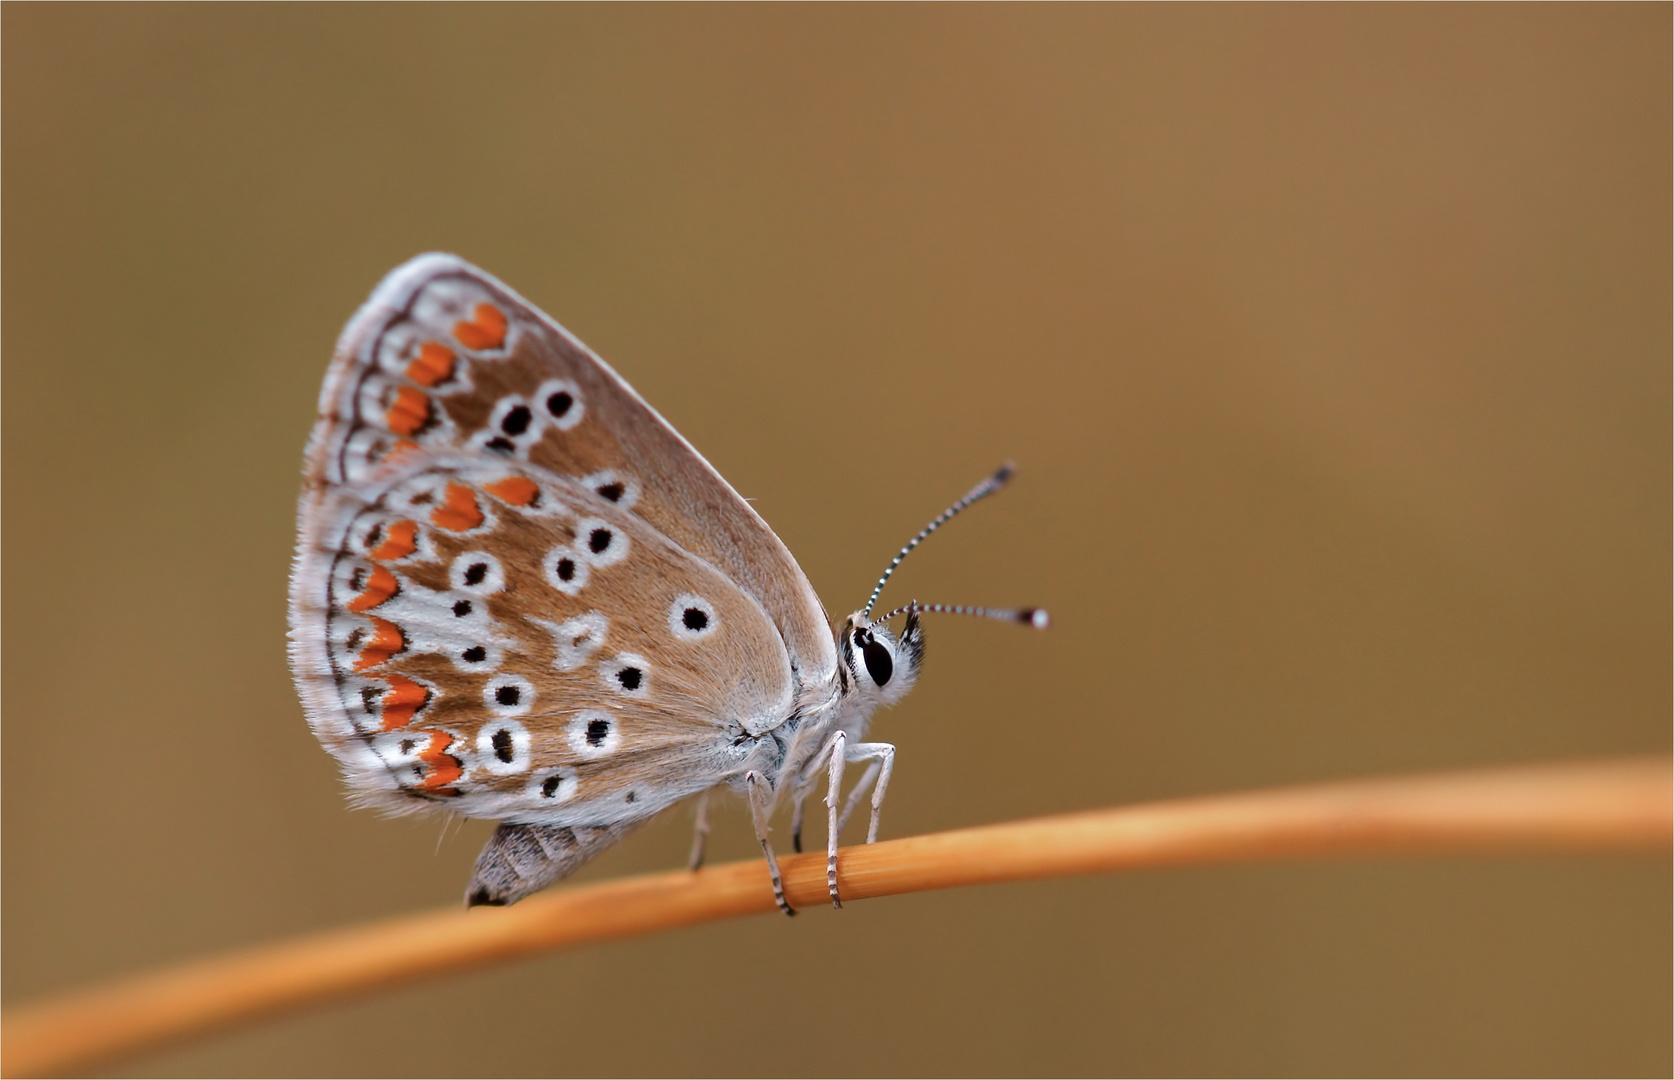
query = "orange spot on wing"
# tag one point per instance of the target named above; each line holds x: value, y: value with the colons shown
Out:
x: 486, y: 331
x: 409, y: 412
x: 400, y: 541
x: 442, y: 769
x: 433, y: 365
x: 460, y: 512
x: 380, y: 586
x: 387, y: 640
x: 402, y: 700
x: 400, y: 450
x: 516, y: 490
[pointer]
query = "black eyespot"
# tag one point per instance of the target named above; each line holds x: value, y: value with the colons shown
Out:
x: 631, y: 678
x: 374, y: 534
x: 408, y: 746
x: 356, y: 636
x: 632, y: 796
x: 516, y: 421
x: 504, y: 445
x: 476, y: 654
x: 613, y: 491
x: 694, y: 618
x: 558, y: 404
x: 475, y: 573
x: 503, y: 745
x: 462, y: 608
x: 597, y: 732
x: 879, y: 664
x: 566, y: 569
x: 598, y: 540
x: 550, y: 786
x: 507, y: 695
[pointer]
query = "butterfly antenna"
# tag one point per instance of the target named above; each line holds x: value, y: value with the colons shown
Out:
x: 988, y: 487
x: 1029, y: 616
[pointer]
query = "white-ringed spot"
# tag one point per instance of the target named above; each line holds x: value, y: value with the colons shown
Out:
x: 600, y: 542
x: 613, y: 487
x: 553, y: 785
x: 477, y: 573
x: 560, y: 401
x: 476, y: 657
x: 593, y: 733
x: 508, y: 695
x: 628, y: 674
x: 566, y: 571
x: 691, y: 618
x: 503, y: 747
x: 513, y: 426
x: 576, y: 639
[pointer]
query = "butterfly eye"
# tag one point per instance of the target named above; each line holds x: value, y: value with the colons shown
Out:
x: 879, y: 663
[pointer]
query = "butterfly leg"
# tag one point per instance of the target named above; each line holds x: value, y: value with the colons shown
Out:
x: 804, y: 787
x: 839, y: 747
x: 700, y: 835
x: 761, y: 801
x: 857, y: 792
x: 882, y: 756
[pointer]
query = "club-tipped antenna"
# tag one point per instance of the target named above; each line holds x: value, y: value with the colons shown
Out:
x: 988, y: 487
x: 1029, y: 616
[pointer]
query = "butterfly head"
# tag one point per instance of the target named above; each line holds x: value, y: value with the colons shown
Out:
x: 882, y: 666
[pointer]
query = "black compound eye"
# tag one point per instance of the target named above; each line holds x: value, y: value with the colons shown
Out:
x: 879, y: 664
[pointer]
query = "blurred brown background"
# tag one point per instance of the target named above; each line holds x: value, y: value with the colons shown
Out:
x: 1333, y: 343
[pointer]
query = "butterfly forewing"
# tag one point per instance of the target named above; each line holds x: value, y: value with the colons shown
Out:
x: 445, y: 357
x: 518, y: 592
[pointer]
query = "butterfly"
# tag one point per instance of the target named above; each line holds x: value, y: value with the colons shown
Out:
x: 519, y: 594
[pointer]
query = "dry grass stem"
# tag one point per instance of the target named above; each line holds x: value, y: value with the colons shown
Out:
x: 1620, y: 805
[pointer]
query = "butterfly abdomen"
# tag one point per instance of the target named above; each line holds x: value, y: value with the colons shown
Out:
x: 521, y: 859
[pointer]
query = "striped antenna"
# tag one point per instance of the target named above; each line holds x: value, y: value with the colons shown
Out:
x: 981, y: 491
x: 1029, y: 616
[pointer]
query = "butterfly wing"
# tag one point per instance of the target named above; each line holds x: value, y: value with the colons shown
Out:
x: 446, y: 357
x: 518, y: 591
